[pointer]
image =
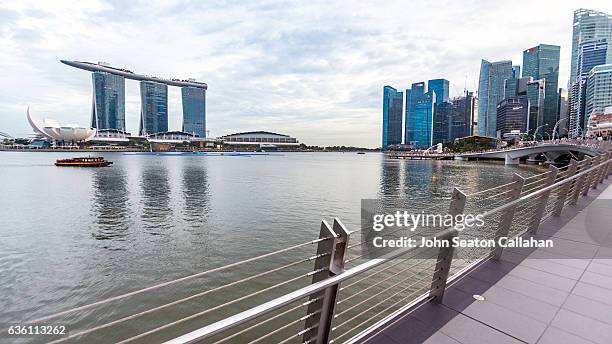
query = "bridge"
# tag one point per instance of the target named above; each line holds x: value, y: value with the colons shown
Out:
x: 513, y: 155
x: 552, y: 151
x: 329, y: 291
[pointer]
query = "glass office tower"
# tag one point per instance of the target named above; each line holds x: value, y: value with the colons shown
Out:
x: 592, y: 53
x: 491, y: 84
x: 108, y: 105
x: 440, y: 86
x: 412, y: 94
x: 589, y: 26
x: 599, y: 90
x: 194, y: 110
x: 536, y: 93
x: 421, y: 121
x: 542, y: 63
x: 153, y: 108
x: 392, y: 117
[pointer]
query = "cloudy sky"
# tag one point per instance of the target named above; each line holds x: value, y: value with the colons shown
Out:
x: 312, y: 69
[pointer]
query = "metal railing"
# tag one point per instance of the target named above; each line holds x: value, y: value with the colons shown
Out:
x: 344, y: 297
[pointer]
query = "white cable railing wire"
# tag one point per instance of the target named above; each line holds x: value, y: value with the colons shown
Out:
x: 182, y: 279
x: 529, y: 200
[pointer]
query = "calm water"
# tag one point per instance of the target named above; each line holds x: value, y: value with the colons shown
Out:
x: 71, y: 236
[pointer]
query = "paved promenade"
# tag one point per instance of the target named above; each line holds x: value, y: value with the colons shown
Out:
x: 549, y: 296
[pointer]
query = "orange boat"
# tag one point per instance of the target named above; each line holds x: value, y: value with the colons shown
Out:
x: 84, y: 162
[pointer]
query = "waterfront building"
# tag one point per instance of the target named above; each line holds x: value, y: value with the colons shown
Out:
x: 600, y: 124
x: 194, y: 110
x: 415, y: 91
x: 588, y: 26
x: 53, y: 131
x: 392, y: 117
x: 153, y: 108
x: 108, y: 104
x: 599, y: 89
x: 421, y: 121
x: 516, y: 71
x: 108, y: 110
x: 542, y: 63
x: 441, y: 87
x: 490, y: 92
x: 512, y: 117
x: 264, y: 139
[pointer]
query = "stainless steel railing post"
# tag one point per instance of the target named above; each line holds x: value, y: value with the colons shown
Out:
x: 587, y: 178
x: 595, y: 173
x: 506, y: 219
x: 578, y: 182
x: 565, y: 188
x: 604, y: 168
x: 319, y: 326
x: 541, y: 205
x: 445, y: 255
x: 589, y: 175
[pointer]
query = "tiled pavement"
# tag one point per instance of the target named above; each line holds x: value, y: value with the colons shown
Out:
x: 549, y: 296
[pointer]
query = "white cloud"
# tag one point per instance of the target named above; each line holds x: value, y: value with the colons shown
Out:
x: 314, y: 70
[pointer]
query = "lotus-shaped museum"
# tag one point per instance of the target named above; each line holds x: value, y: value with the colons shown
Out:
x: 52, y: 130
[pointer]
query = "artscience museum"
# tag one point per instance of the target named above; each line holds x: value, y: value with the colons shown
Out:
x: 53, y: 131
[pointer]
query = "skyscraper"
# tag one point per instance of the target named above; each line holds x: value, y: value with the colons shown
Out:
x: 412, y: 94
x: 563, y: 112
x: 153, y: 108
x: 490, y: 92
x: 421, y: 125
x: 194, y: 110
x: 512, y: 114
x: 443, y: 116
x: 440, y: 86
x: 591, y: 53
x: 464, y: 116
x: 542, y: 63
x: 589, y: 26
x: 108, y: 105
x: 536, y: 92
x: 599, y: 89
x: 392, y: 117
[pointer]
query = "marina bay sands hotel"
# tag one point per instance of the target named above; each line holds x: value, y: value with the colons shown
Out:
x: 108, y: 105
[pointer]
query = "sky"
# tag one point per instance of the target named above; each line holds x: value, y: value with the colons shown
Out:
x: 314, y: 70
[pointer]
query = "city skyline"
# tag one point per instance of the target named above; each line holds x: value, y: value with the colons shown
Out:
x: 283, y: 77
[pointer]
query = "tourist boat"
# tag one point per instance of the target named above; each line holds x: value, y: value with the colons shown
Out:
x: 84, y: 162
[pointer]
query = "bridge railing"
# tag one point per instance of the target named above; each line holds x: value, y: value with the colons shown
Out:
x: 328, y: 290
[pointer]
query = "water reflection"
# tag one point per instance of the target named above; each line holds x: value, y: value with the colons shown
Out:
x: 156, y: 209
x: 195, y: 193
x: 110, y: 206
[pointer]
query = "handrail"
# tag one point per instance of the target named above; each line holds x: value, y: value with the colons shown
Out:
x: 240, y: 318
x: 562, y: 188
x: 267, y: 307
x: 543, y: 190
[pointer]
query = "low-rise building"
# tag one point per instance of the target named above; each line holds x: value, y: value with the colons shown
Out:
x: 600, y: 124
x: 260, y: 139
